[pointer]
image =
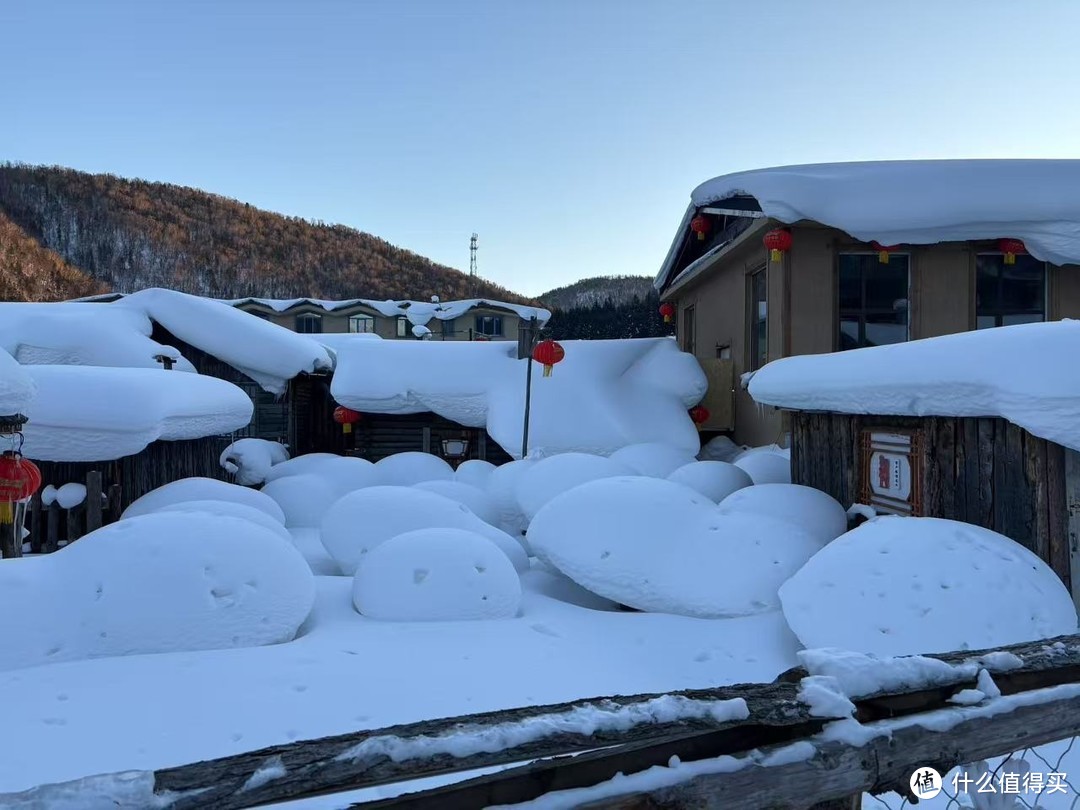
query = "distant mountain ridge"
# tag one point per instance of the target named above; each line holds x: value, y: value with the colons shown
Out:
x: 599, y: 290
x: 65, y: 234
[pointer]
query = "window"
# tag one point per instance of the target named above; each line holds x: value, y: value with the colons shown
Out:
x: 688, y: 339
x: 448, y: 329
x: 309, y: 323
x: 1008, y: 294
x: 489, y: 325
x: 758, y: 319
x: 402, y: 327
x: 873, y: 300
x: 361, y: 324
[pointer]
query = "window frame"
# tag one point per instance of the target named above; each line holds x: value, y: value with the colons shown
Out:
x: 402, y: 328
x: 448, y: 328
x: 862, y: 311
x: 755, y: 358
x: 308, y: 317
x: 361, y: 316
x: 496, y: 319
x: 998, y: 312
x: 689, y: 330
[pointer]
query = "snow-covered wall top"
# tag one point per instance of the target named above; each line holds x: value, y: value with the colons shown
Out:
x: 1026, y: 374
x: 418, y: 312
x: 916, y: 202
x: 604, y: 395
x: 16, y: 386
x: 89, y: 413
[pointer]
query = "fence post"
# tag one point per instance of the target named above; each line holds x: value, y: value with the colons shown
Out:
x: 427, y: 439
x: 74, y: 530
x: 93, y: 501
x: 53, y: 532
x: 114, y: 503
x: 37, y: 528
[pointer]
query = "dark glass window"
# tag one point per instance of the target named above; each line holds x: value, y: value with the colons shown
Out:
x: 448, y: 328
x: 402, y: 327
x: 873, y: 300
x: 758, y: 319
x: 361, y: 324
x: 689, y: 344
x: 1009, y: 294
x: 309, y: 323
x: 489, y: 325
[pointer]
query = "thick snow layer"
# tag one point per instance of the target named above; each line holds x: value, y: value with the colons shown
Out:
x: 659, y: 546
x: 71, y: 495
x: 86, y: 413
x: 813, y: 510
x: 604, y: 395
x: 653, y: 458
x: 406, y: 469
x: 477, y: 500
x: 765, y: 467
x: 952, y: 375
x: 502, y: 487
x: 85, y: 713
x: 250, y: 460
x: 361, y: 520
x: 48, y: 495
x: 552, y: 476
x: 474, y: 472
x: 309, y: 543
x: 720, y: 448
x: 303, y: 499
x: 418, y: 312
x: 713, y: 479
x: 858, y: 674
x: 437, y: 575
x: 916, y: 202
x: 230, y: 509
x: 156, y: 583
x: 299, y: 465
x: 900, y: 585
x: 269, y: 354
x: 17, y: 388
x: 203, y: 489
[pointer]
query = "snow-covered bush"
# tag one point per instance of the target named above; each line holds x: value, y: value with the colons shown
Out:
x: 653, y: 459
x: 475, y: 472
x: 406, y: 469
x: 813, y: 510
x: 303, y: 499
x: 299, y: 465
x: 557, y: 474
x: 347, y: 473
x: 905, y: 585
x: 720, y: 448
x: 71, y: 495
x: 502, y: 487
x: 361, y: 520
x: 156, y: 583
x: 713, y: 479
x: 250, y: 459
x: 766, y: 467
x: 659, y: 546
x: 230, y: 509
x: 203, y: 489
x: 477, y: 500
x: 437, y: 575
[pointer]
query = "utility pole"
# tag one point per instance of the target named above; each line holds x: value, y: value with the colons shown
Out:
x: 472, y: 256
x: 527, y: 336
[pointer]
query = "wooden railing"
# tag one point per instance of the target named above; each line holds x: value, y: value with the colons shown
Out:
x: 53, y: 526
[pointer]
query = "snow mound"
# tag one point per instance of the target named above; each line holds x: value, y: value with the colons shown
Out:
x: 48, y: 495
x: 720, y: 448
x: 477, y: 500
x: 502, y: 487
x: 17, y: 388
x: 553, y: 476
x: 203, y: 489
x: 250, y: 460
x: 406, y: 469
x: 905, y: 585
x: 347, y: 473
x: 303, y: 499
x: 813, y: 510
x: 653, y: 459
x: 437, y: 575
x: 952, y: 375
x: 230, y: 509
x: 299, y: 465
x: 713, y: 479
x: 151, y: 584
x: 765, y: 467
x: 362, y: 520
x: 659, y: 546
x: 71, y: 495
x: 474, y: 472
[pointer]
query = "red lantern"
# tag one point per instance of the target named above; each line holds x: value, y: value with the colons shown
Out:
x: 700, y: 415
x: 883, y: 251
x: 1011, y: 247
x: 701, y: 226
x: 346, y: 418
x: 19, y: 479
x: 668, y: 311
x: 549, y: 353
x: 777, y: 242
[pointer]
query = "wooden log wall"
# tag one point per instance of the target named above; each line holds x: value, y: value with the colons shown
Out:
x: 984, y: 471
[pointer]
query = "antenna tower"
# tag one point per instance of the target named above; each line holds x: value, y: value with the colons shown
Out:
x: 472, y: 256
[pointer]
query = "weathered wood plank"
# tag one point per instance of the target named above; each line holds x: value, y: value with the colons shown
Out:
x: 993, y: 473
x: 52, y: 531
x: 1057, y: 513
x: 1038, y: 502
x: 931, y: 484
x: 74, y: 520
x: 37, y: 525
x: 945, y: 467
x: 93, y: 500
x: 972, y: 486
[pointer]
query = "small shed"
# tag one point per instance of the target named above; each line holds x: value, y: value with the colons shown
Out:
x: 982, y: 427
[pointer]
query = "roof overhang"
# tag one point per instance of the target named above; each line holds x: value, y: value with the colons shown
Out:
x: 703, y: 264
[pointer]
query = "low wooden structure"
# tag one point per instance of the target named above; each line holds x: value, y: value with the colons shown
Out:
x: 984, y: 471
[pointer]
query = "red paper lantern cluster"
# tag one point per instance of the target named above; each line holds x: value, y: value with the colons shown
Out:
x: 1011, y: 248
x: 19, y: 479
x: 548, y: 352
x: 699, y: 414
x: 778, y: 241
x: 701, y: 226
x: 346, y: 417
x: 668, y: 311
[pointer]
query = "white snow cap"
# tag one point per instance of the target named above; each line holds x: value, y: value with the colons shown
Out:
x: 202, y: 489
x: 713, y: 479
x: 418, y: 312
x: 811, y: 509
x: 250, y: 460
x: 604, y: 395
x: 917, y: 202
x: 86, y: 413
x: 953, y: 375
x: 17, y: 388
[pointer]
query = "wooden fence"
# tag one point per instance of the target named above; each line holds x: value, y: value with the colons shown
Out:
x: 762, y: 772
x: 52, y: 526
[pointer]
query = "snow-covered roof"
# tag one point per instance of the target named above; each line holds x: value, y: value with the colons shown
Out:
x: 91, y: 413
x: 604, y: 395
x: 915, y: 202
x: 418, y: 312
x: 1026, y: 374
x: 17, y: 388
x: 118, y: 335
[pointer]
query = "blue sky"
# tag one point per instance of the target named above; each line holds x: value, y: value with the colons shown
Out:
x: 567, y: 133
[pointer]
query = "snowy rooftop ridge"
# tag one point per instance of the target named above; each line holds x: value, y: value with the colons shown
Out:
x: 418, y: 312
x: 917, y: 202
x: 1026, y: 374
